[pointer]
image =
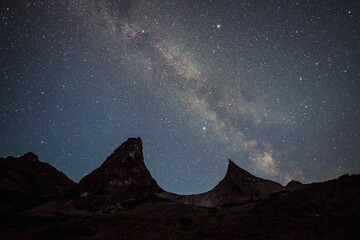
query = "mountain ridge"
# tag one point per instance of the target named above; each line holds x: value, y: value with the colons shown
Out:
x: 123, y: 177
x: 241, y: 206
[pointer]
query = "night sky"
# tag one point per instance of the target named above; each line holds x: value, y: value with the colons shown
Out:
x: 272, y: 85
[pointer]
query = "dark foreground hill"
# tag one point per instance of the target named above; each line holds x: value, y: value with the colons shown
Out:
x: 26, y: 182
x: 120, y: 200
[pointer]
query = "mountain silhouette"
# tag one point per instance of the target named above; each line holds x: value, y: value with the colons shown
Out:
x: 120, y: 200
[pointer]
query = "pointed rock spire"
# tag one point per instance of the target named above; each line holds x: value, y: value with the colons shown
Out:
x: 122, y: 177
x: 234, y: 171
x: 238, y: 186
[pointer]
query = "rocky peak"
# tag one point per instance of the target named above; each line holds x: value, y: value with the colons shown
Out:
x: 293, y: 184
x: 30, y: 155
x: 130, y: 152
x: 122, y: 177
x: 238, y: 186
x: 235, y: 173
x: 27, y: 160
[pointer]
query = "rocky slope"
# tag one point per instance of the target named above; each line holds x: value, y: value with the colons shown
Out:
x: 238, y: 186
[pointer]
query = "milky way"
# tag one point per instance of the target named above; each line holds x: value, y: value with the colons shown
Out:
x: 172, y: 69
x: 274, y: 87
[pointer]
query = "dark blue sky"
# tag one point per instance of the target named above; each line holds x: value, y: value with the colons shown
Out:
x: 273, y: 85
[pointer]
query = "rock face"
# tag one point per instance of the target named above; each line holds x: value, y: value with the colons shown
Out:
x: 25, y: 182
x: 122, y: 177
x: 238, y: 186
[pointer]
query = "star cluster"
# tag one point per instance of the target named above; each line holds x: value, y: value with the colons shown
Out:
x: 275, y: 86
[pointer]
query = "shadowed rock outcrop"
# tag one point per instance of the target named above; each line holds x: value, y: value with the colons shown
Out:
x: 238, y: 186
x: 122, y: 177
x: 26, y: 182
x: 294, y: 185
